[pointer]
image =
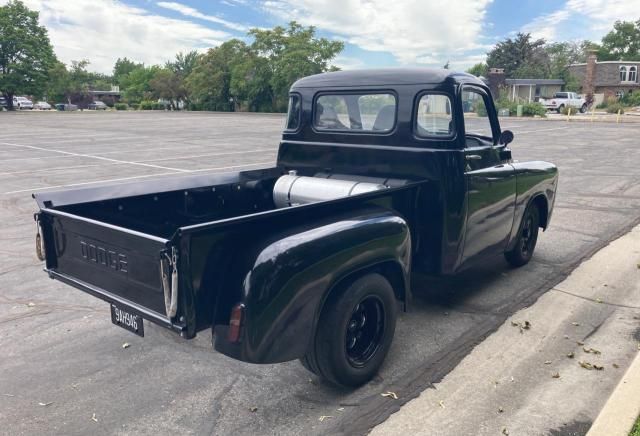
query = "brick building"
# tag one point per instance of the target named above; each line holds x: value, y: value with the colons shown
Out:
x: 607, y: 78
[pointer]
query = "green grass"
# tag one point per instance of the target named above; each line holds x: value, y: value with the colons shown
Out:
x: 635, y: 431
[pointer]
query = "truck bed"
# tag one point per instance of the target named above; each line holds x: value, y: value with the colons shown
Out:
x: 116, y: 242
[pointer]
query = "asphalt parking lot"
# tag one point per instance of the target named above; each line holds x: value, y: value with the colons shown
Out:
x: 64, y: 369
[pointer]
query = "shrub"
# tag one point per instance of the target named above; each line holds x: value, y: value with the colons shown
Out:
x: 602, y: 105
x: 614, y: 108
x: 565, y: 110
x: 146, y: 105
x: 480, y: 109
x: 534, y: 108
x: 611, y: 100
x: 135, y: 106
x: 631, y: 99
x: 504, y: 103
x: 121, y: 106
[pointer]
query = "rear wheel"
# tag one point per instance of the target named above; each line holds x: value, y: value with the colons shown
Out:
x: 527, y: 237
x: 354, y: 332
x: 583, y: 109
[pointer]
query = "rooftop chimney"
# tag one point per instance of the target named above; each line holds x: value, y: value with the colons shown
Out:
x: 496, y: 81
x: 590, y: 73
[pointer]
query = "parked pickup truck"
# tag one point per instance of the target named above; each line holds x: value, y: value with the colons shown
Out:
x: 561, y: 100
x: 379, y: 174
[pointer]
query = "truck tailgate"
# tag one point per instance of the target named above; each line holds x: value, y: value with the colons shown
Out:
x: 116, y: 264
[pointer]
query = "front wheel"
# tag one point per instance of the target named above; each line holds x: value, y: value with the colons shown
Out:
x: 354, y: 332
x: 527, y: 237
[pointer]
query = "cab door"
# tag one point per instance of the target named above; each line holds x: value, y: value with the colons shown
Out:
x: 491, y: 180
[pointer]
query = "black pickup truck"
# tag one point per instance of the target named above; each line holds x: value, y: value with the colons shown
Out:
x: 379, y: 174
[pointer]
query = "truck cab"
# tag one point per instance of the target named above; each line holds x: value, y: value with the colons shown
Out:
x: 379, y: 174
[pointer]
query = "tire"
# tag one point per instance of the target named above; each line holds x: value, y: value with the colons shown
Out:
x: 354, y: 332
x: 525, y: 245
x: 583, y: 109
x: 560, y: 108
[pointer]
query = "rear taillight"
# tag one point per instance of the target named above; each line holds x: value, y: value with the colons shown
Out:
x: 235, y: 323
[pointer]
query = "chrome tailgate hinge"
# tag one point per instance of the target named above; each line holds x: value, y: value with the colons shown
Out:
x: 170, y: 288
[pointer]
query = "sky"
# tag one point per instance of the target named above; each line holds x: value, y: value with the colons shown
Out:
x: 376, y: 33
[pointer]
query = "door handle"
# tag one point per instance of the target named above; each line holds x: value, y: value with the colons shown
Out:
x: 473, y: 157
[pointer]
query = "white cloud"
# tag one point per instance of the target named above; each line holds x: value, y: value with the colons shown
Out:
x: 348, y: 63
x: 194, y: 13
x: 233, y: 2
x: 413, y: 31
x: 104, y: 30
x: 547, y: 26
x: 583, y: 19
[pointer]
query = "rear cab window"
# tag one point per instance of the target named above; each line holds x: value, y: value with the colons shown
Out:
x: 365, y: 112
x: 434, y: 117
x: 293, y: 113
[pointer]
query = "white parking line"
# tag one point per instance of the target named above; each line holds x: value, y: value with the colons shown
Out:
x: 8, y: 173
x: 262, y: 150
x: 131, y: 150
x: 33, y: 147
x: 542, y: 130
x: 38, y: 189
x: 57, y: 133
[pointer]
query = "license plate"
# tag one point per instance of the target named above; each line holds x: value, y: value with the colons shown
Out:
x: 127, y: 320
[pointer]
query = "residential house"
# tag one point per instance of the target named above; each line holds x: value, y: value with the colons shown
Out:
x: 607, y: 78
x: 521, y: 90
x: 528, y: 90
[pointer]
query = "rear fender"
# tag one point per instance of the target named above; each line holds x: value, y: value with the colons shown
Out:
x: 292, y: 276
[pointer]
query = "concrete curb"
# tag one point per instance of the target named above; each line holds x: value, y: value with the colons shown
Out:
x: 622, y: 408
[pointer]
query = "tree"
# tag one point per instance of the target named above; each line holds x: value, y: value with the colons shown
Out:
x: 210, y: 81
x: 168, y: 85
x: 292, y: 52
x: 136, y: 85
x: 58, y: 82
x: 26, y: 55
x: 180, y: 68
x: 123, y: 67
x: 479, y: 70
x: 250, y: 83
x: 519, y: 56
x: 622, y: 43
x: 184, y: 63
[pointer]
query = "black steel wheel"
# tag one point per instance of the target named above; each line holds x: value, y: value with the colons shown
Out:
x: 525, y: 245
x: 364, y: 331
x: 354, y: 332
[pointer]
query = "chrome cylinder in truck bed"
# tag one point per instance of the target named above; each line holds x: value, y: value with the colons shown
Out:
x: 291, y: 189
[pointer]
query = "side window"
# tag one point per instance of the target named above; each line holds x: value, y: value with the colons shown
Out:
x: 476, y: 118
x: 433, y: 117
x: 293, y: 114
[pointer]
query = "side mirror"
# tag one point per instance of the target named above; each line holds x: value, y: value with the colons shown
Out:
x: 506, y: 137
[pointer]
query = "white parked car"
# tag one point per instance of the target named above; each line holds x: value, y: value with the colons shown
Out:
x: 565, y: 99
x: 22, y: 103
x: 42, y: 105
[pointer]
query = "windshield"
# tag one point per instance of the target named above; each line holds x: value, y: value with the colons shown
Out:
x: 560, y: 95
